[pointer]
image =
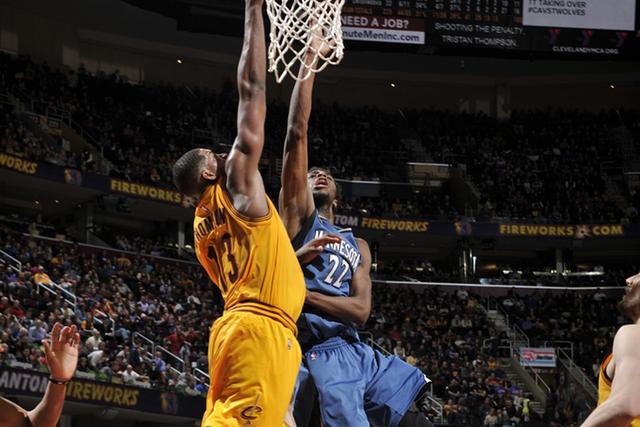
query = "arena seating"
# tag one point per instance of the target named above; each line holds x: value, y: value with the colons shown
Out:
x: 166, y: 302
x: 447, y: 335
x: 542, y: 166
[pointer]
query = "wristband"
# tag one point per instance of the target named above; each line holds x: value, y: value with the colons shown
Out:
x: 58, y: 382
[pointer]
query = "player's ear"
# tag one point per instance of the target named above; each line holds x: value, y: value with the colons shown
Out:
x: 207, y: 175
x: 335, y: 204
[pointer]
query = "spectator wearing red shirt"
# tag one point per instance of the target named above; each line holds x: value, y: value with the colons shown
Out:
x: 176, y: 339
x: 16, y: 310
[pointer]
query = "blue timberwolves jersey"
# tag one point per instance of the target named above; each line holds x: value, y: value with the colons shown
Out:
x: 330, y: 273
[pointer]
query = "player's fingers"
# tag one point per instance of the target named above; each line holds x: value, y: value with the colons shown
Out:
x: 47, y: 347
x: 55, y: 332
x: 76, y: 340
x: 328, y: 239
x: 633, y: 280
x: 71, y: 336
x: 64, y: 335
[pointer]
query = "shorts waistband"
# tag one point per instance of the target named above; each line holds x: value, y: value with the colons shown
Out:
x: 331, y: 343
x: 266, y: 310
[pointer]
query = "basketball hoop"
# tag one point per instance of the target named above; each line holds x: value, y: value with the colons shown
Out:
x: 297, y: 27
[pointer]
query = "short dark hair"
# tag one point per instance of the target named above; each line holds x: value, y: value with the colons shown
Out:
x: 328, y: 172
x: 186, y: 172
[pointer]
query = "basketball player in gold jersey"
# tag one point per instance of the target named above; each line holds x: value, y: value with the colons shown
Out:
x: 619, y: 382
x: 240, y: 241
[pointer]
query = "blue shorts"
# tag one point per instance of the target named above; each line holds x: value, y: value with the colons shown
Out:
x: 356, y: 386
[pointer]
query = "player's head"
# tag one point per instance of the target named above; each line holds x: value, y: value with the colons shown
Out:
x: 326, y: 192
x: 196, y: 169
x: 630, y: 304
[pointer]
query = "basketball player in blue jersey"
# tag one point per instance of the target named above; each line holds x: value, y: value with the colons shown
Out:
x: 356, y: 386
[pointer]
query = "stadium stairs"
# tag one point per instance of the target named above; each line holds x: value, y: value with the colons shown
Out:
x: 523, y: 378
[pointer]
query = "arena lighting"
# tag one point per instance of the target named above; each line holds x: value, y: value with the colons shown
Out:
x: 569, y: 273
x: 179, y: 61
x: 36, y: 202
x: 612, y: 86
x: 56, y: 201
x: 392, y: 84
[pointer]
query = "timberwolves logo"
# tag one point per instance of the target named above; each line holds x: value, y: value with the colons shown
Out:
x: 169, y: 403
x: 250, y: 413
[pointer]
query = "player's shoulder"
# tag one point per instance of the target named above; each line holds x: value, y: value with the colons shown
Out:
x: 628, y: 332
x: 625, y: 341
x: 362, y: 244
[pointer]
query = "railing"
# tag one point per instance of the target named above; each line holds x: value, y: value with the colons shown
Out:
x: 69, y: 297
x: 368, y: 338
x: 437, y: 407
x: 55, y: 289
x: 538, y: 379
x: 198, y: 374
x: 13, y: 263
x: 561, y: 344
x: 577, y: 374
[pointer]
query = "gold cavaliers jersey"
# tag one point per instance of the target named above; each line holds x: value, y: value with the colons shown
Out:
x: 604, y: 387
x: 251, y: 260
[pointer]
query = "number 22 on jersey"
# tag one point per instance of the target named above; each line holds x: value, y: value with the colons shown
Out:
x: 337, y: 263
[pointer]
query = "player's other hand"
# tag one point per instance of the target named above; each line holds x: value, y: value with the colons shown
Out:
x: 318, y: 44
x: 314, y: 247
x: 633, y: 280
x: 62, y: 351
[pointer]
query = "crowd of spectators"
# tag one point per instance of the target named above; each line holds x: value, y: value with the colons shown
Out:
x: 588, y: 320
x: 538, y: 165
x: 445, y: 334
x: 117, y: 296
x: 19, y: 140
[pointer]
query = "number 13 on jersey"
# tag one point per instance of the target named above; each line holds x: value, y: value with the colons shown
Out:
x: 226, y: 247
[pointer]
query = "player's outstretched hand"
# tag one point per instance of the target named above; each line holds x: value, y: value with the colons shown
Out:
x: 314, y: 247
x: 633, y: 280
x: 62, y: 351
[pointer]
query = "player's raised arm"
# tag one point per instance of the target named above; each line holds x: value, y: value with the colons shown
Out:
x: 244, y: 182
x: 622, y: 405
x: 296, y: 200
x: 356, y: 307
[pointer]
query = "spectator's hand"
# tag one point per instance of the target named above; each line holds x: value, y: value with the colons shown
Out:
x: 633, y: 280
x: 313, y: 248
x: 62, y: 352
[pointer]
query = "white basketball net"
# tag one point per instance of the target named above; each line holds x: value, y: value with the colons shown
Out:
x: 296, y: 27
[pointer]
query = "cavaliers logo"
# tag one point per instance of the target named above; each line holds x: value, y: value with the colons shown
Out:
x: 250, y: 413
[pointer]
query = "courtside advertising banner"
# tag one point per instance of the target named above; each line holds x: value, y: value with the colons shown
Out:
x: 538, y: 357
x: 385, y: 29
x: 586, y: 14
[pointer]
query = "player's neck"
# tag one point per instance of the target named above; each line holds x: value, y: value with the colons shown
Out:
x: 326, y: 212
